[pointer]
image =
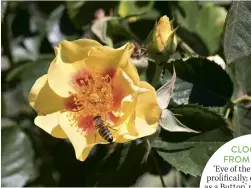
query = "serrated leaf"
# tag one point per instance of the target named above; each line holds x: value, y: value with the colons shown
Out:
x: 237, y: 40
x: 165, y: 92
x: 169, y: 122
x: 200, y: 81
x: 17, y: 155
x: 191, y: 155
x: 189, y: 152
x: 198, y: 117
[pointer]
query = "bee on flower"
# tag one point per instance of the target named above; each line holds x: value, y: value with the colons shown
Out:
x: 92, y: 95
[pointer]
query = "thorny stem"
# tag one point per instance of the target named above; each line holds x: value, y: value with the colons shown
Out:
x: 155, y: 161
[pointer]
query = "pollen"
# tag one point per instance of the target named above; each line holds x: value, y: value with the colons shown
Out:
x: 93, y: 96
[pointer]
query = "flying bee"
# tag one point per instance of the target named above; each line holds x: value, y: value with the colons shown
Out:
x: 102, y: 129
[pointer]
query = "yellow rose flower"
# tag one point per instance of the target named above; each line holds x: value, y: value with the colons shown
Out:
x: 87, y: 80
x: 162, y: 40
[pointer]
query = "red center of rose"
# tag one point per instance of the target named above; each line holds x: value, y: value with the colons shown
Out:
x: 95, y: 95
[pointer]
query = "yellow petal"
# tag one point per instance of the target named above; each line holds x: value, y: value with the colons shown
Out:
x: 147, y: 105
x: 102, y: 58
x: 130, y: 69
x: 72, y: 51
x: 49, y: 123
x: 144, y: 120
x: 60, y: 77
x: 69, y: 59
x: 82, y: 144
x: 43, y: 99
x: 125, y: 87
x: 47, y: 104
x: 135, y: 127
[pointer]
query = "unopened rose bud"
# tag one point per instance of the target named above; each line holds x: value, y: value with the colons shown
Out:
x: 161, y: 42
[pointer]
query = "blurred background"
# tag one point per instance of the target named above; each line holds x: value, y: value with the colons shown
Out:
x: 30, y: 31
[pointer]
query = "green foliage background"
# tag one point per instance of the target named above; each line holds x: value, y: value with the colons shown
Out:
x: 206, y: 98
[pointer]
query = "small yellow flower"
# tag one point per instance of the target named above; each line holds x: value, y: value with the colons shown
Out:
x: 162, y: 39
x: 86, y: 80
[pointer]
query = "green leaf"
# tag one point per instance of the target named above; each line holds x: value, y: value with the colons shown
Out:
x: 150, y: 15
x: 242, y: 69
x: 17, y: 155
x: 132, y: 8
x: 207, y: 22
x: 237, y: 40
x: 29, y: 50
x: 113, y: 170
x: 16, y: 70
x: 14, y: 103
x: 242, y: 120
x: 210, y: 25
x: 200, y: 81
x: 189, y: 152
x: 240, y: 72
x: 191, y: 10
x: 74, y: 8
x: 199, y: 118
x: 3, y: 9
x: 33, y: 71
x: 237, y: 50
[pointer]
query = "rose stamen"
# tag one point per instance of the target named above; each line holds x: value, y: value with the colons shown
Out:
x: 93, y: 97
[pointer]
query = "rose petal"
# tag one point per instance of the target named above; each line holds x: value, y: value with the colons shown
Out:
x: 49, y: 123
x: 72, y: 51
x: 45, y: 102
x: 134, y: 128
x: 144, y: 120
x: 124, y: 94
x: 70, y: 59
x: 82, y: 144
x: 147, y: 105
x: 106, y: 58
